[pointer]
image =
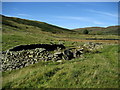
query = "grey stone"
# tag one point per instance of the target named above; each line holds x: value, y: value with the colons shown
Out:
x: 56, y: 53
x: 78, y: 53
x: 68, y: 55
x: 41, y: 49
x: 59, y: 61
x: 19, y: 59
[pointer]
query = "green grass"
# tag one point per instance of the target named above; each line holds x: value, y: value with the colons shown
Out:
x: 110, y: 30
x: 11, y: 38
x: 16, y: 31
x: 25, y: 24
x: 93, y: 70
x: 98, y: 70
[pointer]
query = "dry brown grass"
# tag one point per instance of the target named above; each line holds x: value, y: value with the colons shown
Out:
x: 101, y: 41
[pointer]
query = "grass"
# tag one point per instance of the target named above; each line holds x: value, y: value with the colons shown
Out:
x: 13, y: 38
x: 92, y: 71
x: 100, y: 30
x: 17, y: 31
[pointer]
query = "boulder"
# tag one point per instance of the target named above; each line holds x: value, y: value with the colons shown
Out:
x: 41, y: 49
x: 78, y: 53
x: 30, y: 56
x: 57, y: 53
x: 59, y: 61
x: 68, y: 55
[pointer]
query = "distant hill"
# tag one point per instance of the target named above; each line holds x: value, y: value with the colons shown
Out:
x: 100, y: 30
x: 17, y: 31
x: 20, y: 24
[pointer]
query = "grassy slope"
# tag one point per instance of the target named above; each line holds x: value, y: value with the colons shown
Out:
x: 20, y: 31
x: 111, y: 30
x: 23, y: 24
x: 96, y: 70
x: 92, y: 71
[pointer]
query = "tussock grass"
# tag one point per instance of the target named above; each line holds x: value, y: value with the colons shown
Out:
x: 98, y: 70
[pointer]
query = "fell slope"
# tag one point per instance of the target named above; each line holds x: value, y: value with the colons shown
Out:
x: 16, y: 31
x: 99, y: 70
x: 18, y: 23
x: 111, y: 30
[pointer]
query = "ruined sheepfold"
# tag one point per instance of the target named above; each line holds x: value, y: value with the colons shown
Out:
x: 24, y: 55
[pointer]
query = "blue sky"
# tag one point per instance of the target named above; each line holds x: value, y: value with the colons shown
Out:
x: 65, y: 14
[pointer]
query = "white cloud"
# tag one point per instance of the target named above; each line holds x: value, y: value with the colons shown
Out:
x: 73, y: 18
x: 104, y: 13
x: 82, y: 19
x: 18, y: 15
x: 10, y: 15
x: 97, y: 22
x: 23, y: 15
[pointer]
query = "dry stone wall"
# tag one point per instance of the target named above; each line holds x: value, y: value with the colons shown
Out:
x: 13, y: 59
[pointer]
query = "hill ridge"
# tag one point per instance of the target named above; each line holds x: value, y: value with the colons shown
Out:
x: 43, y: 25
x: 112, y: 30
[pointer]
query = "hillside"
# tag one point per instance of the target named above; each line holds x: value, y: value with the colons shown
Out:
x: 111, y: 30
x: 16, y: 31
x: 98, y: 69
x: 18, y: 24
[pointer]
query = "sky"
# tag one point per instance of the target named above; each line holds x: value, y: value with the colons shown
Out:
x: 60, y: 0
x: 69, y: 15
